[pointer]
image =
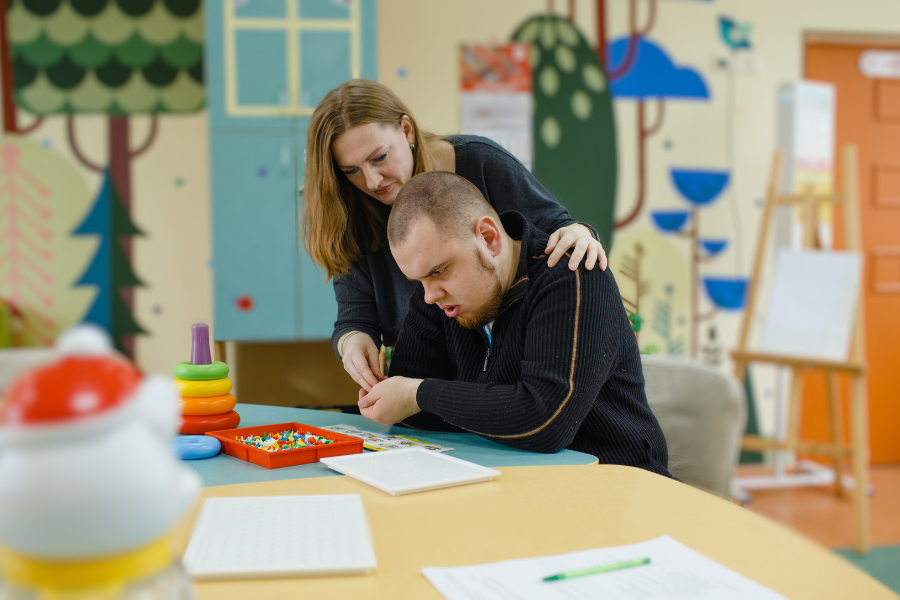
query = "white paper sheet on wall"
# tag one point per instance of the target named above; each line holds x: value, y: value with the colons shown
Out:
x: 812, y: 304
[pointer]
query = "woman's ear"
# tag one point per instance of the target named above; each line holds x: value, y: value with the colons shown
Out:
x: 406, y: 127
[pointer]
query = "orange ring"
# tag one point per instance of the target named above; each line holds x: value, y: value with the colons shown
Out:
x: 203, y: 389
x: 213, y: 405
x: 198, y: 425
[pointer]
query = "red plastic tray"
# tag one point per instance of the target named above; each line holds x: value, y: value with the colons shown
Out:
x: 343, y: 444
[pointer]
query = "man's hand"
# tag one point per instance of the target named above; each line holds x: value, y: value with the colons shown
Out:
x: 390, y: 401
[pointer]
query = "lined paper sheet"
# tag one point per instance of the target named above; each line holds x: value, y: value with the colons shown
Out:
x: 675, y: 572
x: 280, y: 536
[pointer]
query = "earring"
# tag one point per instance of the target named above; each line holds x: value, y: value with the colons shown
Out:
x: 412, y: 147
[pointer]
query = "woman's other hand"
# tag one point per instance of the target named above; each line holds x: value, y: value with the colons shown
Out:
x: 360, y: 358
x: 579, y: 239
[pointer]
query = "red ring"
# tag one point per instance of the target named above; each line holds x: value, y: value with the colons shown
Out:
x: 198, y: 425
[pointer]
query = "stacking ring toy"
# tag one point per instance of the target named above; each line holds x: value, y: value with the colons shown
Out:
x: 215, y: 370
x: 203, y: 389
x: 212, y: 405
x: 197, y: 425
x: 195, y: 447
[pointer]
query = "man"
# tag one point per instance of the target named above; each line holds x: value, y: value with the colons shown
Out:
x: 497, y: 343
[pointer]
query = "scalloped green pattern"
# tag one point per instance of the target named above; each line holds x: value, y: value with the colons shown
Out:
x: 94, y: 56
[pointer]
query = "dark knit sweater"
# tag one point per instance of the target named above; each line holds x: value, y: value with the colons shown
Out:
x: 374, y: 296
x: 561, y: 369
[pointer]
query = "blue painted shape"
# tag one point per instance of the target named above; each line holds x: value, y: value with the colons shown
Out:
x: 266, y: 9
x: 255, y: 204
x: 670, y: 220
x: 195, y: 447
x: 323, y: 9
x: 713, y: 247
x: 99, y: 272
x: 653, y: 74
x: 699, y: 187
x: 735, y: 35
x: 254, y: 236
x: 262, y: 78
x: 214, y: 65
x: 324, y: 64
x: 226, y: 470
x: 728, y: 293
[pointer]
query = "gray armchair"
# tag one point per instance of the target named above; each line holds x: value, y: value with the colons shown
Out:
x: 702, y: 413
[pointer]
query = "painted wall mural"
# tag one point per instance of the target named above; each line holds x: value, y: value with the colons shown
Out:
x: 112, y: 58
x: 574, y: 126
x: 42, y: 198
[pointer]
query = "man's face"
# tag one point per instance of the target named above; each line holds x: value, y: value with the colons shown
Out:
x: 457, y: 274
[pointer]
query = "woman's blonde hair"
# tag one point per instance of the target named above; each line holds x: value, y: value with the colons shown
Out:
x: 341, y: 223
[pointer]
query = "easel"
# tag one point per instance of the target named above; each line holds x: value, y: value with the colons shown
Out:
x: 858, y: 449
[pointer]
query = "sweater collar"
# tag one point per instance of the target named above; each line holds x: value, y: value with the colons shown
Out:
x: 518, y: 228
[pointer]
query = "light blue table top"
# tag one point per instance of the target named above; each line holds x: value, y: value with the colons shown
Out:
x: 226, y: 470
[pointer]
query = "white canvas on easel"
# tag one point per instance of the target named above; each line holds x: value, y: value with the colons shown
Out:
x: 812, y: 304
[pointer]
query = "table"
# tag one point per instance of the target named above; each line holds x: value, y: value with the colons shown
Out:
x: 541, y: 510
x: 227, y: 470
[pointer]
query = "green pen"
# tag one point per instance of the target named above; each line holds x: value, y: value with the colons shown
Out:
x: 602, y: 569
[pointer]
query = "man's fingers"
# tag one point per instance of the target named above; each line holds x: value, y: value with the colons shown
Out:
x: 603, y: 262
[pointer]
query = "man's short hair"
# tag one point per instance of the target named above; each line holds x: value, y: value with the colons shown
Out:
x: 452, y: 203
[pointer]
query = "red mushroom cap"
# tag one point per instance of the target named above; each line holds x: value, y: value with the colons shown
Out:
x: 69, y: 389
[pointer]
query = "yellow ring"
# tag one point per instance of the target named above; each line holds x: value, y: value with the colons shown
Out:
x: 211, y: 405
x: 203, y: 389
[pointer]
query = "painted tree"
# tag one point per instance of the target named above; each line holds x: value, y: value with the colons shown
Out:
x: 114, y: 58
x: 109, y: 270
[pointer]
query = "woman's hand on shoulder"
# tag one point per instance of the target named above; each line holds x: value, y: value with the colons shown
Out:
x: 581, y: 245
x: 360, y: 357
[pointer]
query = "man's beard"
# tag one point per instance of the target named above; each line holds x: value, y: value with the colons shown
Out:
x: 488, y: 312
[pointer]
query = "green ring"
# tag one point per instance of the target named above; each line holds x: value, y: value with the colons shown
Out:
x: 216, y: 370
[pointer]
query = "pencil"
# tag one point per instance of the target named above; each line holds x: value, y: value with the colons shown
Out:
x: 601, y: 569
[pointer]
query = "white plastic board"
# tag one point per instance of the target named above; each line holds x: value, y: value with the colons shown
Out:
x: 407, y: 471
x: 254, y: 537
x: 812, y: 304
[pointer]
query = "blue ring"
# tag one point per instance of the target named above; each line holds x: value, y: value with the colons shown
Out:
x: 195, y: 447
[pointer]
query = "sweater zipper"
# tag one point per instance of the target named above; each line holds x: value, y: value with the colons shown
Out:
x: 487, y: 355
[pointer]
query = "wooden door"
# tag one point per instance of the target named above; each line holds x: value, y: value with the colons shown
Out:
x: 868, y: 115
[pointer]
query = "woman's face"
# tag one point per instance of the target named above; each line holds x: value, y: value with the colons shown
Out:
x: 376, y: 158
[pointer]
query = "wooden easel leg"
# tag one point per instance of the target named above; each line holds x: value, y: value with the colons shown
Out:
x: 795, y: 408
x: 859, y: 458
x: 837, y: 425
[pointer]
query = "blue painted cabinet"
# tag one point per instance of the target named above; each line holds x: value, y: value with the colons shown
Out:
x: 268, y: 64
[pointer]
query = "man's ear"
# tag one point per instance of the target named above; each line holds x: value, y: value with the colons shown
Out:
x: 487, y: 229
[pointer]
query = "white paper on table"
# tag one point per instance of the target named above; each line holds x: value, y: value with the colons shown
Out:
x: 674, y: 572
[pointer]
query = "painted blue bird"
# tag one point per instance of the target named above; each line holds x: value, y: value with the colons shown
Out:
x: 735, y: 35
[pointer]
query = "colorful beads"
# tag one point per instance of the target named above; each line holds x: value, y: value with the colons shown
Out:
x: 214, y: 370
x: 285, y: 440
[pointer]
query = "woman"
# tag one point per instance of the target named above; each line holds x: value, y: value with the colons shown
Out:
x: 362, y: 146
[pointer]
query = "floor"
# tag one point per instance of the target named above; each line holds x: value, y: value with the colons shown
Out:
x: 820, y: 514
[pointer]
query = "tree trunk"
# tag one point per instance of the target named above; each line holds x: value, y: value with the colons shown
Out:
x: 120, y: 173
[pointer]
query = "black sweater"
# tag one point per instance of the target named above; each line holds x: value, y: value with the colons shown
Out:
x: 374, y: 296
x: 561, y: 370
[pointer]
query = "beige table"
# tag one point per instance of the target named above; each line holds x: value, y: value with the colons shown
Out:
x: 534, y: 511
